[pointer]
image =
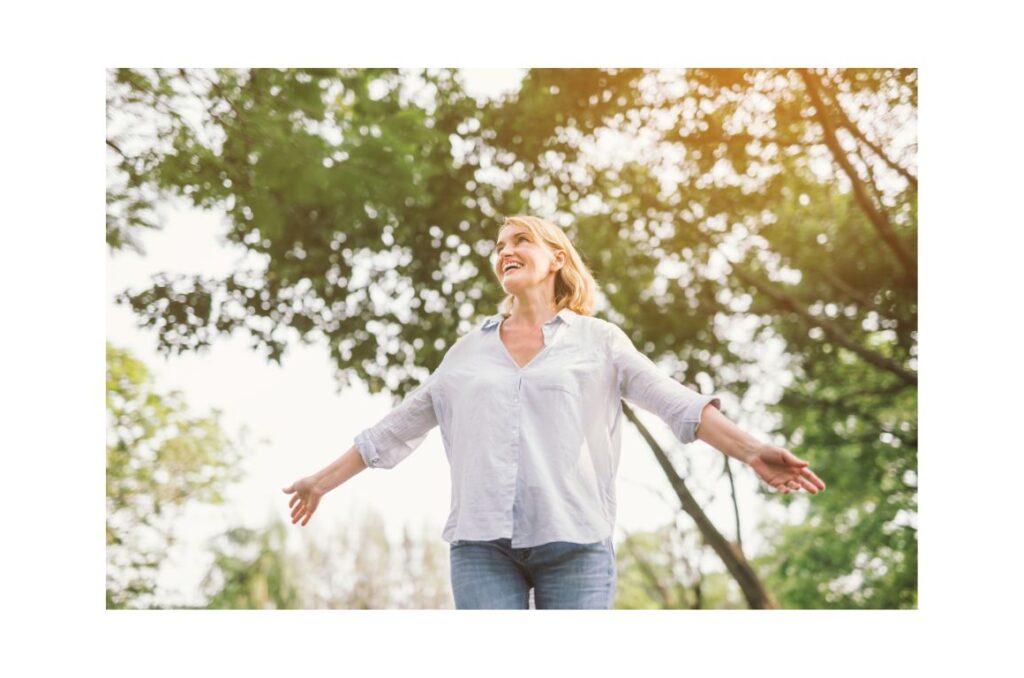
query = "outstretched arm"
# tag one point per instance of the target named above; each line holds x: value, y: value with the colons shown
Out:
x: 777, y: 466
x: 308, y: 491
x: 382, y: 445
x: 723, y: 435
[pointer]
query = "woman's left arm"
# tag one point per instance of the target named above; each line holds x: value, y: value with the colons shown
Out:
x: 776, y: 465
x: 723, y: 435
x: 695, y: 416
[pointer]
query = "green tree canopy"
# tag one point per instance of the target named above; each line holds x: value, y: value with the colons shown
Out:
x: 782, y: 201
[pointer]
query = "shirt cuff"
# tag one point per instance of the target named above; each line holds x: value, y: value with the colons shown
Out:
x: 704, y: 400
x: 367, y: 450
x: 688, y: 434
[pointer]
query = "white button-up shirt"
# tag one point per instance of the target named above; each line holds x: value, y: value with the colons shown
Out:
x: 534, y: 450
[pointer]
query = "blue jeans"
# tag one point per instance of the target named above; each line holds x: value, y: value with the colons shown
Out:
x: 564, y: 575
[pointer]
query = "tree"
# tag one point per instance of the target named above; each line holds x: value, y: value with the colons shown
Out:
x: 252, y: 570
x: 660, y: 570
x: 779, y: 199
x: 160, y: 457
x: 785, y: 197
x: 359, y: 568
x: 347, y: 190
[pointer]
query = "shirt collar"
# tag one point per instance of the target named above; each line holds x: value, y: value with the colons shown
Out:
x: 565, y: 315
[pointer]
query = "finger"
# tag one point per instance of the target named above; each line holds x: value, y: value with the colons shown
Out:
x: 793, y: 460
x: 793, y: 485
x: 809, y: 474
x: 809, y: 486
x: 309, y: 515
x: 290, y: 488
x: 297, y: 510
x: 295, y: 498
x: 312, y: 508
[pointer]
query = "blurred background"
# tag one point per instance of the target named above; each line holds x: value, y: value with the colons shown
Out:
x: 290, y: 251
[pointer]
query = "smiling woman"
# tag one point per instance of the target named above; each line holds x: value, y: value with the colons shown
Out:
x: 530, y: 410
x: 545, y: 257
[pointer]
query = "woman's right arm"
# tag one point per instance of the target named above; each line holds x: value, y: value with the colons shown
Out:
x: 339, y: 470
x: 383, y: 446
x: 310, y: 489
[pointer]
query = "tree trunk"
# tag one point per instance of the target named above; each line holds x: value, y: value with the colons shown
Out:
x: 754, y: 590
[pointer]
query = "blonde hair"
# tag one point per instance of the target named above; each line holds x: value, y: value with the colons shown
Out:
x: 574, y: 284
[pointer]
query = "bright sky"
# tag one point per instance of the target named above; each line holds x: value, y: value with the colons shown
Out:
x: 307, y: 425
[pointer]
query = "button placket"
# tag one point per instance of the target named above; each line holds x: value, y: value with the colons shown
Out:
x: 515, y: 444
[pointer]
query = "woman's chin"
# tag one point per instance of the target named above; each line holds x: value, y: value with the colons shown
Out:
x: 510, y: 286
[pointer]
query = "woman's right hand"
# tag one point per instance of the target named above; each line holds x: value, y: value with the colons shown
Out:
x: 305, y: 499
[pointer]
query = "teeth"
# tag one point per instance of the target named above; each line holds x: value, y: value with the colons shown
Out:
x: 509, y: 267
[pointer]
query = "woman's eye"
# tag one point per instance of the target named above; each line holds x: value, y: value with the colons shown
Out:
x: 519, y: 238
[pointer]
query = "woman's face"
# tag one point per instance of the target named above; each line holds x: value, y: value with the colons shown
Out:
x: 516, y: 245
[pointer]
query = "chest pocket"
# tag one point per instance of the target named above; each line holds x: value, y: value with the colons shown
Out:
x: 556, y: 380
x: 578, y: 375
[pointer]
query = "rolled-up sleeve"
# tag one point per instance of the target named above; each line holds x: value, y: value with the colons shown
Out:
x: 643, y: 383
x: 401, y: 431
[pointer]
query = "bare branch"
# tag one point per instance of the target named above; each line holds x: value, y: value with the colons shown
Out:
x: 735, y: 501
x: 114, y: 146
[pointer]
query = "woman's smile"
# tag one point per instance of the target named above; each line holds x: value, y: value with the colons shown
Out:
x: 511, y: 266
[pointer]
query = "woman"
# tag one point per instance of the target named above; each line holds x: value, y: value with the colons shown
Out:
x: 529, y: 405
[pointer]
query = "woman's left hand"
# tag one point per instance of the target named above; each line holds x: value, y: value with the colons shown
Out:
x: 778, y: 467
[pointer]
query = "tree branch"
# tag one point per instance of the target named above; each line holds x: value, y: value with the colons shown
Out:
x: 851, y: 126
x: 114, y: 146
x: 735, y: 502
x: 844, y: 406
x: 754, y: 590
x: 850, y: 291
x: 876, y: 216
x: 831, y: 329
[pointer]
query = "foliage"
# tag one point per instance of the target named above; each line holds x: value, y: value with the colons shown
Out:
x: 252, y: 570
x: 781, y: 200
x: 786, y: 197
x: 159, y: 458
x: 358, y: 569
x: 661, y: 570
x: 344, y: 188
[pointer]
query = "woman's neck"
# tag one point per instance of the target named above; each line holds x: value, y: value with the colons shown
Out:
x: 533, y: 312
